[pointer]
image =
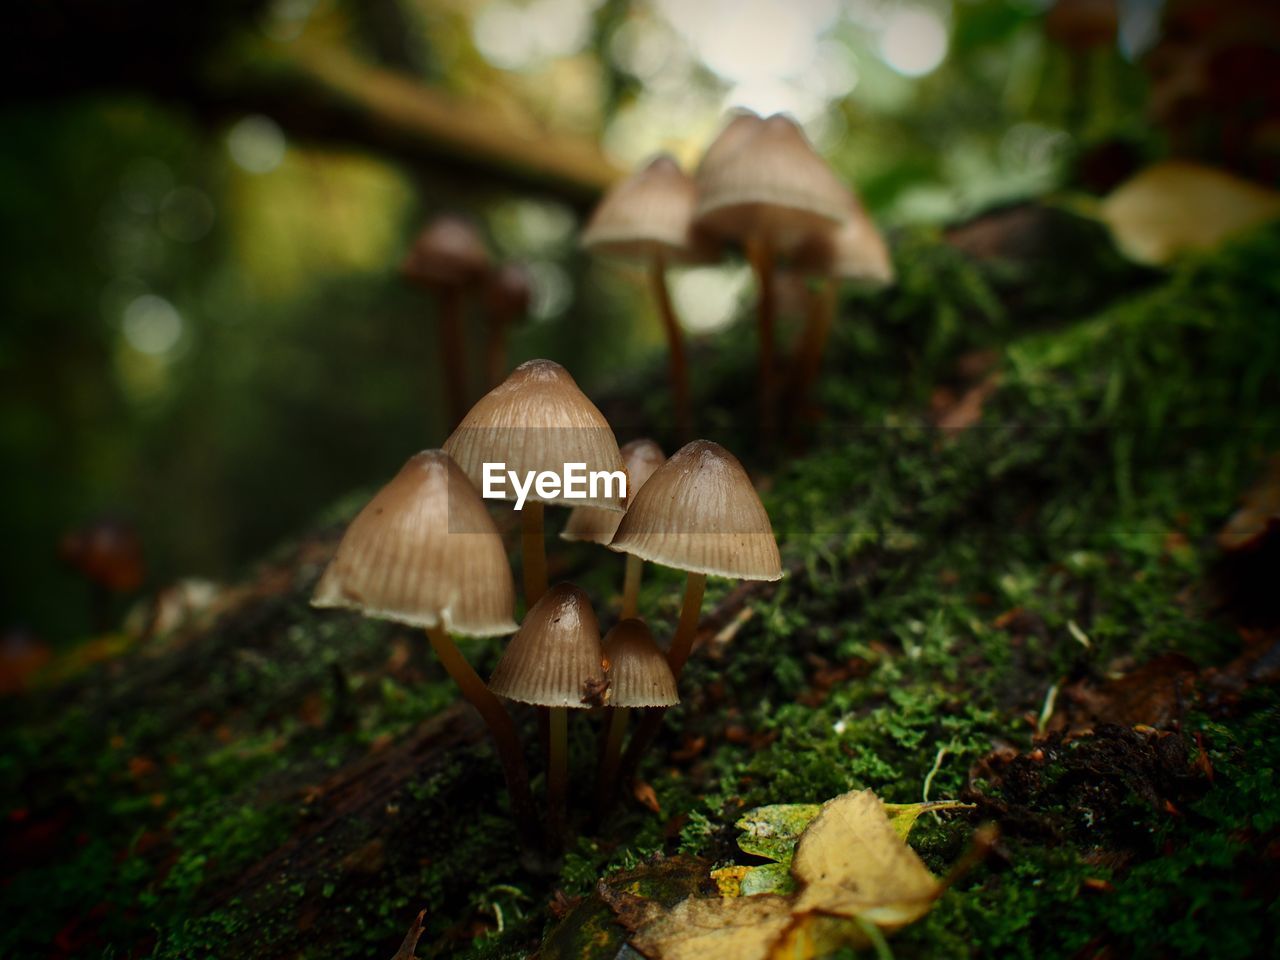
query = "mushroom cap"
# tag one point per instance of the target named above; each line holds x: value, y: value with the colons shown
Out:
x: 555, y: 659
x: 648, y: 213
x: 449, y: 252
x: 537, y: 420
x: 637, y: 669
x: 741, y: 125
x: 700, y: 513
x: 107, y: 552
x: 854, y: 250
x: 594, y: 525
x: 772, y: 184
x: 424, y: 551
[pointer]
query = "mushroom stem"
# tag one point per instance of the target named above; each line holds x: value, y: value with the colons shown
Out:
x: 500, y: 727
x: 675, y: 347
x: 611, y: 758
x: 534, y: 552
x: 452, y: 355
x: 631, y: 587
x: 822, y: 311
x: 760, y: 253
x: 496, y: 350
x: 687, y: 629
x: 557, y: 775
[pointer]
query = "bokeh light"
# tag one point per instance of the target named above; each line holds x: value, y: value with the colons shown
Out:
x: 257, y: 144
x: 914, y: 41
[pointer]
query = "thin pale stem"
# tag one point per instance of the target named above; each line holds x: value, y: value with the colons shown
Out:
x: 631, y: 587
x: 557, y: 775
x: 453, y: 355
x: 501, y: 728
x: 534, y: 552
x: 760, y: 252
x: 687, y: 629
x: 675, y: 347
x: 611, y: 758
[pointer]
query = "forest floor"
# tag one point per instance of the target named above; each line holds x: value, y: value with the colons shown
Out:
x: 1005, y: 586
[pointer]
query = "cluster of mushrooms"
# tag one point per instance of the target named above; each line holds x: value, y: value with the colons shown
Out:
x: 760, y: 188
x: 426, y: 552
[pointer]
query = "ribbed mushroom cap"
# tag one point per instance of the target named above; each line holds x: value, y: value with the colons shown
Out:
x: 854, y: 250
x: 449, y: 252
x: 537, y: 420
x: 555, y: 659
x: 649, y: 212
x: 743, y: 124
x: 638, y: 672
x: 771, y: 184
x: 424, y: 551
x: 594, y: 525
x: 699, y: 512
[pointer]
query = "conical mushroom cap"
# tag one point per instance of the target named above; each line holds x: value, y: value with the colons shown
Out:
x: 449, y: 252
x: 538, y: 420
x: 594, y: 525
x: 648, y: 213
x: 555, y: 659
x: 699, y: 512
x: 770, y: 183
x: 737, y: 131
x: 424, y: 551
x: 854, y: 250
x: 638, y: 672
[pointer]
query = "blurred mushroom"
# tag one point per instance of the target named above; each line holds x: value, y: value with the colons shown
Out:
x: 507, y: 294
x: 447, y: 259
x: 854, y: 251
x: 768, y: 190
x: 555, y: 661
x: 22, y: 654
x: 425, y: 552
x: 536, y: 421
x: 594, y: 525
x: 648, y: 218
x: 639, y: 676
x: 108, y: 554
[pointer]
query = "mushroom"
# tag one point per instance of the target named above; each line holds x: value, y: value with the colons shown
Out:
x: 425, y: 552
x: 447, y: 259
x: 648, y: 218
x: 699, y: 513
x: 767, y: 189
x: 854, y: 251
x: 594, y: 525
x: 108, y: 554
x: 555, y: 661
x: 536, y: 421
x: 639, y: 676
x: 507, y: 293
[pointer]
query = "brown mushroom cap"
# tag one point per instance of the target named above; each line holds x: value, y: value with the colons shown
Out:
x: 107, y: 552
x: 700, y: 513
x: 509, y: 290
x: 854, y: 250
x: 555, y: 659
x: 424, y: 551
x: 773, y: 184
x: 449, y: 252
x: 594, y: 525
x: 743, y: 124
x: 649, y: 212
x: 638, y: 672
x: 537, y: 420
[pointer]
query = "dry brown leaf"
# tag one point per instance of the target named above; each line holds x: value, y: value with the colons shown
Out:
x: 744, y: 928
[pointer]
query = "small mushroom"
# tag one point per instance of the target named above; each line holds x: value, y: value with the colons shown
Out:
x: 535, y: 421
x: 648, y: 218
x: 507, y: 294
x: 108, y: 554
x: 447, y: 259
x: 639, y: 676
x: 425, y: 552
x: 854, y: 251
x: 555, y: 661
x: 768, y: 190
x: 698, y: 513
x: 593, y: 525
